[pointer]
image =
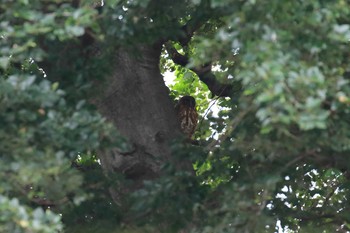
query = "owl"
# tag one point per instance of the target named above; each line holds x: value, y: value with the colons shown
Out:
x: 187, y: 115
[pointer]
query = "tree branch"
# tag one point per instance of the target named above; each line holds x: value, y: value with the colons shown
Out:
x: 217, y: 88
x: 199, y: 17
x: 202, y: 14
x: 177, y: 57
x: 204, y: 73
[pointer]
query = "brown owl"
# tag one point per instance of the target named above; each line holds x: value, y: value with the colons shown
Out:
x: 187, y: 115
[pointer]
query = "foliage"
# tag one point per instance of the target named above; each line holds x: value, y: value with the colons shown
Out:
x: 43, y: 126
x: 274, y: 152
x: 16, y: 218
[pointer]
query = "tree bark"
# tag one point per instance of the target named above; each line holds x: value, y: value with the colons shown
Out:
x: 137, y: 101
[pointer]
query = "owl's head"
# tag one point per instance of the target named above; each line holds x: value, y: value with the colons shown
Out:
x: 188, y: 101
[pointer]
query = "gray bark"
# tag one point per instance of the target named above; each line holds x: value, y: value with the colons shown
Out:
x: 137, y: 101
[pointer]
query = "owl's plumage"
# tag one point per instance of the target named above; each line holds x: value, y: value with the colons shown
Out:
x: 187, y: 115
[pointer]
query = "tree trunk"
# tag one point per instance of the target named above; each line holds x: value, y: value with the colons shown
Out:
x: 137, y: 101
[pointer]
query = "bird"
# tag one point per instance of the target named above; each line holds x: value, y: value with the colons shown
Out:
x: 187, y: 115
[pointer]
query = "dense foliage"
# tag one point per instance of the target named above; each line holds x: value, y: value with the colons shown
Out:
x: 272, y: 157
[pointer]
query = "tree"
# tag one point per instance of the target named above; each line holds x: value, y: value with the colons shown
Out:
x: 89, y: 134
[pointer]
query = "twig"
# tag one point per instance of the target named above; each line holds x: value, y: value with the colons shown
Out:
x: 206, y: 112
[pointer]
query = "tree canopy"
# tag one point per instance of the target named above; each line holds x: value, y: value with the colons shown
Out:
x: 271, y: 82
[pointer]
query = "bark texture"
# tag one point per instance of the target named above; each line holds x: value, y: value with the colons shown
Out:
x: 137, y: 101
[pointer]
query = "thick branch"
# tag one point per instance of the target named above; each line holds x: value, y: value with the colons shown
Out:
x: 198, y: 19
x: 177, y: 57
x: 188, y: 29
x: 203, y: 13
x: 217, y: 88
x: 204, y: 73
x: 201, y: 16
